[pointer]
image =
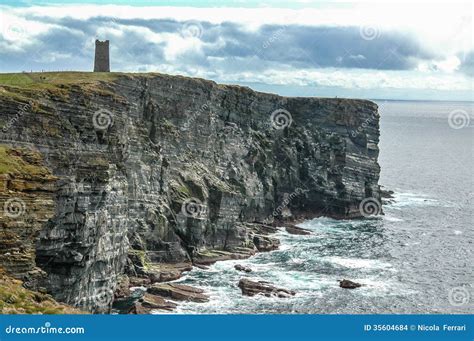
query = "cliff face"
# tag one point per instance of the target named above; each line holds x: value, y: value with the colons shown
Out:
x: 155, y: 168
x: 24, y: 183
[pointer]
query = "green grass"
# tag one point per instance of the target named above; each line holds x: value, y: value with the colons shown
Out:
x: 23, y: 87
x: 12, y: 162
x: 54, y: 78
x: 14, y: 299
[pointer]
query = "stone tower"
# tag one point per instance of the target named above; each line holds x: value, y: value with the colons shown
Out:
x: 101, y: 61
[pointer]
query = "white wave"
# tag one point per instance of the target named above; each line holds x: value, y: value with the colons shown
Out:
x: 404, y: 199
x: 357, y: 263
x: 391, y: 218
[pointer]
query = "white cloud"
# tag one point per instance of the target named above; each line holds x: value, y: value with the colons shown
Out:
x: 442, y: 28
x: 353, y: 78
x: 441, y: 25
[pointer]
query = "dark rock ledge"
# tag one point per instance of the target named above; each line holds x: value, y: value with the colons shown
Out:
x: 252, y: 288
x: 156, y: 278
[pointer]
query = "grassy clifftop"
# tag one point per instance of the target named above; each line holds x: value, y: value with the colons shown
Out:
x: 26, y: 79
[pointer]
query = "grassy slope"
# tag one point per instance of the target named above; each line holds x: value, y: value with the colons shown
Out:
x: 55, y: 80
x: 15, y: 299
x: 12, y: 162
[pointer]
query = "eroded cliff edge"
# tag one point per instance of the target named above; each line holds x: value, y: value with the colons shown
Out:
x: 156, y: 168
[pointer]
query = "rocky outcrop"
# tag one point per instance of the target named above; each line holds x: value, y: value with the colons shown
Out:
x: 292, y: 229
x: 151, y: 169
x: 252, y: 288
x: 347, y: 284
x: 149, y: 302
x: 240, y: 267
x: 16, y: 299
x: 178, y: 292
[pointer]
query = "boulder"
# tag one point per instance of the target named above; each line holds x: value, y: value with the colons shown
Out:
x: 240, y: 267
x: 178, y: 292
x: 156, y: 302
x: 252, y: 288
x: 265, y: 243
x: 347, y: 284
x: 165, y: 272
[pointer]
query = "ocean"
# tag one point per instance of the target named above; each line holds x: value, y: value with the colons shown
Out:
x: 417, y: 258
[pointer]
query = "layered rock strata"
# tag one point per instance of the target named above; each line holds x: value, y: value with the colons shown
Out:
x: 152, y: 169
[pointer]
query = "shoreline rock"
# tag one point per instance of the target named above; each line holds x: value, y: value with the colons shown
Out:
x: 293, y: 229
x: 180, y: 292
x: 387, y: 196
x: 166, y: 272
x: 243, y: 268
x: 265, y: 243
x: 252, y: 288
x: 205, y: 258
x: 347, y: 284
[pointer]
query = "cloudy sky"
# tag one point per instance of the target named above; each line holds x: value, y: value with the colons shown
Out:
x: 401, y: 50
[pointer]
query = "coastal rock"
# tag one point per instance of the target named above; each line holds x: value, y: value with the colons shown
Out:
x: 123, y: 287
x: 252, y: 288
x: 387, y: 196
x: 292, y: 229
x: 150, y: 301
x: 166, y: 272
x: 139, y: 281
x: 178, y: 292
x: 347, y: 284
x: 147, y: 169
x: 265, y: 243
x: 243, y: 268
x: 209, y: 257
x: 138, y: 309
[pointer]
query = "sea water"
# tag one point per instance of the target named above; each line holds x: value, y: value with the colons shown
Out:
x: 417, y: 258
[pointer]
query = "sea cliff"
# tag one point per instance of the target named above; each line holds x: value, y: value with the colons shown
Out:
x: 118, y: 174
